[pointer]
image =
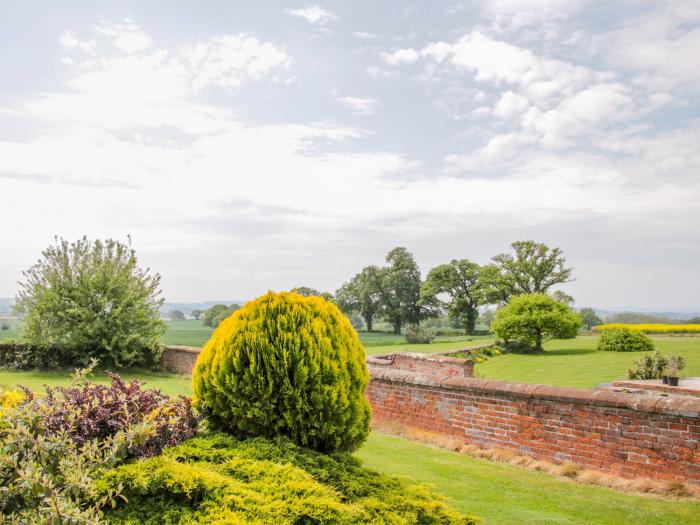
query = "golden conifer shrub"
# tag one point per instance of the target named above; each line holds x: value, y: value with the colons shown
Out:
x: 286, y: 365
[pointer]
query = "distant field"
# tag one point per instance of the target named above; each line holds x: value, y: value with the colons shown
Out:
x: 187, y: 333
x: 13, y: 332
x: 193, y: 333
x: 577, y: 363
x: 653, y: 328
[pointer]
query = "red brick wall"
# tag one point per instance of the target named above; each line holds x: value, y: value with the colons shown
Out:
x: 631, y: 435
x: 179, y: 359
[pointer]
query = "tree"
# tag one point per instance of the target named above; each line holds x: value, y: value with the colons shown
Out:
x: 589, y: 318
x: 286, y: 365
x: 531, y: 268
x: 197, y: 314
x: 90, y: 299
x: 176, y: 315
x: 486, y: 317
x: 399, y: 290
x: 529, y: 319
x: 563, y: 297
x: 211, y: 313
x: 224, y: 314
x: 312, y: 292
x: 460, y: 281
x: 362, y: 295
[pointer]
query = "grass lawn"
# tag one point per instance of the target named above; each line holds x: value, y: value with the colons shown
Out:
x: 436, y: 346
x: 170, y: 384
x: 505, y: 495
x: 576, y: 363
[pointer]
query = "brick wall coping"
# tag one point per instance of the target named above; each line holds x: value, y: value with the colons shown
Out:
x: 388, y: 359
x: 672, y: 405
x: 187, y: 349
x: 688, y: 386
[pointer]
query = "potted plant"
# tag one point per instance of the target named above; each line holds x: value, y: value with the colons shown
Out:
x: 676, y: 363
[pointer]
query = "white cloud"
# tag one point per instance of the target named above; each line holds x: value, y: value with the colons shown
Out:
x: 150, y: 88
x: 660, y: 45
x: 364, y: 35
x: 359, y: 105
x: 126, y: 36
x: 401, y: 56
x: 69, y: 40
x: 230, y: 59
x: 314, y: 14
x: 509, y: 105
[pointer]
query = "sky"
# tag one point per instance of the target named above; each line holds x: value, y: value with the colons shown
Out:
x: 248, y: 146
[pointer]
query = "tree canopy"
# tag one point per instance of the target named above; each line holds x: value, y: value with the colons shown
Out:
x: 531, y: 268
x: 589, y: 318
x: 176, y: 315
x: 458, y: 289
x: 307, y: 291
x: 399, y: 290
x: 529, y: 319
x: 362, y: 295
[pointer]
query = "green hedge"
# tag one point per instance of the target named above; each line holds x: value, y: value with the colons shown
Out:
x: 624, y: 340
x: 21, y: 356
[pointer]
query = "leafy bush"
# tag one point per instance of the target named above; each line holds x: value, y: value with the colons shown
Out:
x: 4, y: 326
x: 88, y: 411
x: 624, y: 340
x: 675, y: 364
x: 22, y: 356
x: 9, y: 399
x: 416, y: 334
x: 650, y: 366
x: 87, y: 300
x: 216, y: 479
x: 529, y: 319
x: 53, y: 449
x: 286, y: 365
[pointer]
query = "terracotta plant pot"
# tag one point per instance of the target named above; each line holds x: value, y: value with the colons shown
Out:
x: 664, y: 380
x: 672, y: 381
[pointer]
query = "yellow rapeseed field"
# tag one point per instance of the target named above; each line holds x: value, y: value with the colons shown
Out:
x: 654, y: 328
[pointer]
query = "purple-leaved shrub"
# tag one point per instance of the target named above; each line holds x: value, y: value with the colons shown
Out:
x: 88, y: 411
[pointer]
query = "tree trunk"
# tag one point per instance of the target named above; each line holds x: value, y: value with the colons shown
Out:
x: 472, y: 315
x: 368, y: 322
x: 397, y: 327
x: 538, y: 341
